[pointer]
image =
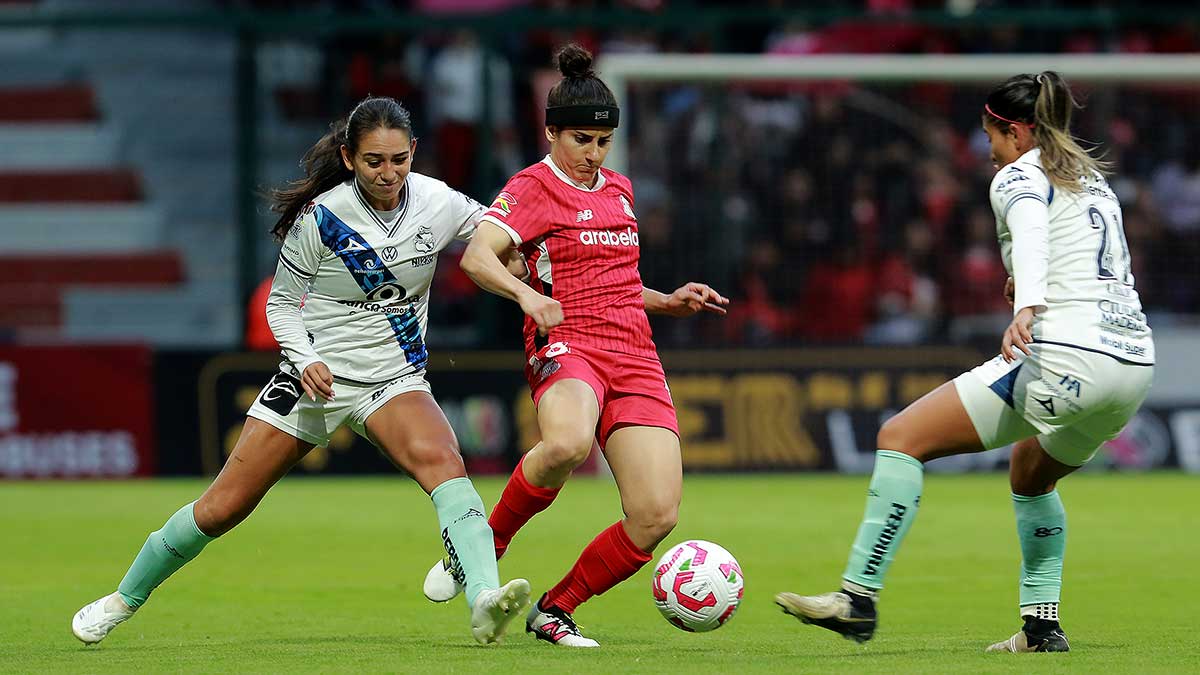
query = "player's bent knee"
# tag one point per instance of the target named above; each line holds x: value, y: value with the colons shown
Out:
x: 565, y: 454
x: 897, y: 436
x: 216, y: 516
x: 656, y: 521
x: 433, y: 454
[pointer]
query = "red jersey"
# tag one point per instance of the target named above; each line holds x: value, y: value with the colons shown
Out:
x: 582, y: 249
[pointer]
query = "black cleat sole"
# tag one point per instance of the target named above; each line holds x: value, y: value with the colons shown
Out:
x: 860, y: 631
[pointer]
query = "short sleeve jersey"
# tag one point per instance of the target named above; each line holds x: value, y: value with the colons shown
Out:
x: 1091, y: 302
x: 582, y: 248
x: 367, y: 297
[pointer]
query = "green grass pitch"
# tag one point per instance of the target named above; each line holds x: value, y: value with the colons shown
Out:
x: 326, y: 576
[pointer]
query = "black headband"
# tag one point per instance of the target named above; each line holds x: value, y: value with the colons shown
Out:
x: 583, y: 116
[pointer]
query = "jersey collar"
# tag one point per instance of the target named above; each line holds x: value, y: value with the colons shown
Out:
x: 600, y: 180
x: 366, y: 205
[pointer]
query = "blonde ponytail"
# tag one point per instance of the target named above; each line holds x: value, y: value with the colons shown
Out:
x: 1063, y: 158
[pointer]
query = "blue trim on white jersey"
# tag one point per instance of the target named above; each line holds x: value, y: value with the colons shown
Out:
x: 1005, y: 385
x: 1018, y: 197
x: 371, y: 274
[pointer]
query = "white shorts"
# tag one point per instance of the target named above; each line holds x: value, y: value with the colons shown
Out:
x: 284, y: 405
x: 1073, y: 400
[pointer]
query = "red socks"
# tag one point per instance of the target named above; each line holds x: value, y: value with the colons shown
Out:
x: 519, y: 502
x: 610, y: 559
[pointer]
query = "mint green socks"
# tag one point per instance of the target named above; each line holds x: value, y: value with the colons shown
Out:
x: 165, y: 551
x: 466, y: 534
x: 1042, y: 530
x: 892, y: 500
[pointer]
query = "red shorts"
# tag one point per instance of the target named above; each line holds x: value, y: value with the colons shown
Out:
x: 631, y: 390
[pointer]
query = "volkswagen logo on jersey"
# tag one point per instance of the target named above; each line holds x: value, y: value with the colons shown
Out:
x: 390, y: 254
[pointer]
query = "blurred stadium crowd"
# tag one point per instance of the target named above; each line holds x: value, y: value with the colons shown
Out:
x: 831, y: 213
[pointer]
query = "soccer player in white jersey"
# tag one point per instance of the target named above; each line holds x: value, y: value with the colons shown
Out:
x: 1074, y: 366
x: 361, y: 235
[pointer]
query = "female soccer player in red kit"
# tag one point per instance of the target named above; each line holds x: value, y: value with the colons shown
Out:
x: 592, y: 365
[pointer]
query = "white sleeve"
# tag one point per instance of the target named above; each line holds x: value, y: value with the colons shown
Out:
x: 464, y: 213
x: 298, y: 261
x: 1015, y: 183
x: 1029, y: 222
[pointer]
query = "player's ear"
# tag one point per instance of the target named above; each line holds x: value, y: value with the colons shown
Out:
x: 551, y: 134
x: 346, y: 158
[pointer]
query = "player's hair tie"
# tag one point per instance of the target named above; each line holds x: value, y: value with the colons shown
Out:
x: 583, y: 116
x: 991, y: 112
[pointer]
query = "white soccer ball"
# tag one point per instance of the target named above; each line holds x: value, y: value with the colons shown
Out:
x: 698, y: 586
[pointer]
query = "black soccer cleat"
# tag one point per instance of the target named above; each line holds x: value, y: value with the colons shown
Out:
x: 851, y: 615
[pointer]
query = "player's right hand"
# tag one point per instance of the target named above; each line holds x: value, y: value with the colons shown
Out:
x: 545, y: 311
x: 1010, y: 290
x: 317, y: 379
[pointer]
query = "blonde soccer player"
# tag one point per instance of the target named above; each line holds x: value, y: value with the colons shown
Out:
x: 1074, y: 366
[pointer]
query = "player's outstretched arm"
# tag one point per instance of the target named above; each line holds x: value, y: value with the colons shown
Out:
x: 687, y: 300
x: 485, y: 262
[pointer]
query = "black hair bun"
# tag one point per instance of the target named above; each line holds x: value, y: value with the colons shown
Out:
x: 574, y: 61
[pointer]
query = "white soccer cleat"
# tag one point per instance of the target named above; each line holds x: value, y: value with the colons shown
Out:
x: 442, y: 584
x: 1014, y: 645
x: 495, y: 608
x: 851, y: 615
x: 96, y: 620
x: 556, y: 627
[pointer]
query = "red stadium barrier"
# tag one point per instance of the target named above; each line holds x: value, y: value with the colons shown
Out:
x: 76, y: 412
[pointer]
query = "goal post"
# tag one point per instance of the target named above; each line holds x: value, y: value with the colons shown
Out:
x: 622, y: 70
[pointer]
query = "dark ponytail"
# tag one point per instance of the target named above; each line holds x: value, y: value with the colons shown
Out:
x: 579, y: 85
x: 323, y: 167
x: 1044, y: 102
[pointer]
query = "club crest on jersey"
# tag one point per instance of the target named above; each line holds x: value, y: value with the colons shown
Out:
x: 505, y: 201
x: 424, y: 242
x: 627, y: 206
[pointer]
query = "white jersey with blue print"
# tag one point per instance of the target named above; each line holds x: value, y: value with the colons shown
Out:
x: 352, y: 290
x: 1069, y: 259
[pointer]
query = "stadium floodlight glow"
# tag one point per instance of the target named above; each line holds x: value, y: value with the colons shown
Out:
x: 620, y: 70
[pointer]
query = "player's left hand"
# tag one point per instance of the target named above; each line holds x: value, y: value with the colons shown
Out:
x: 1017, y: 335
x: 694, y: 297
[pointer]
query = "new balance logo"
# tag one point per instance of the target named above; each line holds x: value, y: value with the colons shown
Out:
x: 583, y: 216
x: 605, y: 238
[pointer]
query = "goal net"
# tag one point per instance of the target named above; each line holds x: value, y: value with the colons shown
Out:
x: 809, y: 186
